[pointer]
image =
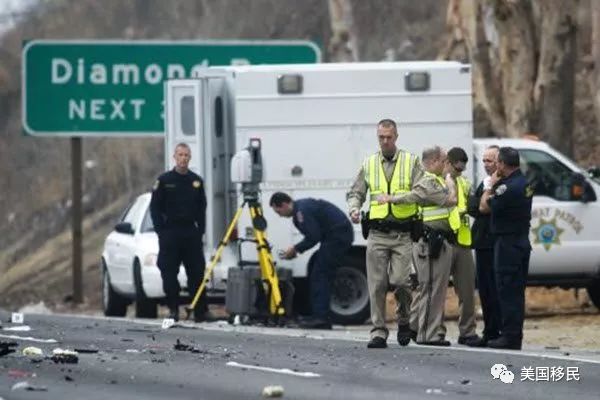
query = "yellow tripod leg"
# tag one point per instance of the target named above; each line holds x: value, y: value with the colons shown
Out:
x: 214, y: 260
x: 267, y: 266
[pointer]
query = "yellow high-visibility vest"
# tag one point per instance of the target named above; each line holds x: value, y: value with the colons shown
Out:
x: 400, y: 183
x: 464, y: 231
x: 434, y: 213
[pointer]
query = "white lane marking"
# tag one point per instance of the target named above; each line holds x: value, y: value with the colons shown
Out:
x: 284, y: 371
x: 33, y: 339
x: 17, y: 328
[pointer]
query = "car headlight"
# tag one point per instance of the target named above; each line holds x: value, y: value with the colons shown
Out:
x: 150, y: 259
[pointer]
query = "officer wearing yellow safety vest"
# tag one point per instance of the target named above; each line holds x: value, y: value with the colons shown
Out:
x: 463, y: 268
x: 390, y: 171
x: 434, y: 253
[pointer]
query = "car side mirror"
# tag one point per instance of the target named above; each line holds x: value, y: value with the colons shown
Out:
x: 581, y: 190
x: 124, y: 228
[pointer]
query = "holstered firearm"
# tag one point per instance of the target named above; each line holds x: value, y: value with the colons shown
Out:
x: 364, y: 224
x: 435, y: 241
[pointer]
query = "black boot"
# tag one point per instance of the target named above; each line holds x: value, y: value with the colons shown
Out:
x: 504, y: 343
x: 377, y: 342
x: 173, y: 310
x: 315, y: 323
x: 471, y: 341
x: 404, y: 334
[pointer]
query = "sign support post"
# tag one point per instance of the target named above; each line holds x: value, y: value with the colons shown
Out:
x: 76, y: 218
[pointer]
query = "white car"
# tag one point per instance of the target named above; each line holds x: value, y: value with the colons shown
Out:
x: 129, y: 270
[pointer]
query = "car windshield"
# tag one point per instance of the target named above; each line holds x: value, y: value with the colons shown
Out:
x: 147, y: 225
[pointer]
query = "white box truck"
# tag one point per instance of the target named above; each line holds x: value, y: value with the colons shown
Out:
x: 317, y: 123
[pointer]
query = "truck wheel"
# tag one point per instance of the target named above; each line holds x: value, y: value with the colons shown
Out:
x: 144, y: 307
x: 350, y: 293
x: 594, y: 293
x: 113, y: 303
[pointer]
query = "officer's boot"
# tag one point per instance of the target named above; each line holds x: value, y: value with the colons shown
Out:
x: 173, y: 311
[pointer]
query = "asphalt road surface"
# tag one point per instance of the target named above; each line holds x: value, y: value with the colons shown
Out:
x: 137, y: 359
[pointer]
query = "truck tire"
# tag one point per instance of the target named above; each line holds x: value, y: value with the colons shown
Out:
x: 144, y: 307
x: 113, y: 303
x: 350, y: 292
x: 594, y: 293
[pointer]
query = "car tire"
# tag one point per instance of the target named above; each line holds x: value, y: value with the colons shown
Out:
x: 144, y: 307
x: 113, y: 303
x: 594, y: 292
x: 350, y: 292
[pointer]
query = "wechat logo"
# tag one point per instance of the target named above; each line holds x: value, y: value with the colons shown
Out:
x: 500, y: 371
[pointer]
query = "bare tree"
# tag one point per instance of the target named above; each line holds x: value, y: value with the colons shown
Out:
x: 523, y: 64
x: 554, y: 91
x: 343, y: 46
x: 595, y: 8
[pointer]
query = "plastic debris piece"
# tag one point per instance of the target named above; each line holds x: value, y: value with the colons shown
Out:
x: 272, y: 391
x: 33, y: 351
x: 64, y: 356
x: 18, y: 373
x: 168, y: 323
x: 7, y: 347
x: 18, y: 318
x: 27, y: 386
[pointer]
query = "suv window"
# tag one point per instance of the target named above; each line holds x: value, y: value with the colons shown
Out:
x: 547, y: 176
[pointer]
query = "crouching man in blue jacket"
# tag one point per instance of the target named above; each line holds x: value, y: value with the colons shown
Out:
x: 319, y: 221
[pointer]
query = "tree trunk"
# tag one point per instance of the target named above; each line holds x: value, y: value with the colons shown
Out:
x: 554, y: 93
x: 518, y: 62
x: 343, y: 46
x: 486, y: 90
x: 595, y: 6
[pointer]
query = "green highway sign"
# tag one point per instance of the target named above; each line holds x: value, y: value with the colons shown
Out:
x: 115, y: 88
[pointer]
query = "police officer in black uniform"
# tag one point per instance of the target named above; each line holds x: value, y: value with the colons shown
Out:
x: 178, y: 210
x: 483, y: 243
x: 319, y: 221
x: 509, y: 201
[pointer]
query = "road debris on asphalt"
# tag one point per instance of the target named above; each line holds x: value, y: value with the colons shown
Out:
x: 272, y: 391
x: 33, y: 351
x: 86, y: 350
x: 27, y: 386
x: 17, y: 318
x: 60, y: 355
x: 179, y: 346
x: 19, y: 374
x: 7, y: 347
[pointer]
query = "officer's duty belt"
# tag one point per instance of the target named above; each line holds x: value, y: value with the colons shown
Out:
x: 448, y: 235
x: 386, y: 226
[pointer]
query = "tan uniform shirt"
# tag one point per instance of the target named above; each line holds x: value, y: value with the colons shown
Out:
x: 358, y: 192
x: 427, y: 192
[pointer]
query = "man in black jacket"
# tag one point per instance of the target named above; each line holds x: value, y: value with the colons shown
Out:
x: 483, y: 243
x: 178, y: 210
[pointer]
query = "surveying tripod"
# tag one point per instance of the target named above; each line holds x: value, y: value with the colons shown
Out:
x: 265, y: 258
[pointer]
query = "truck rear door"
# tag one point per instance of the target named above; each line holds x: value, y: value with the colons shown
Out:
x: 197, y: 113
